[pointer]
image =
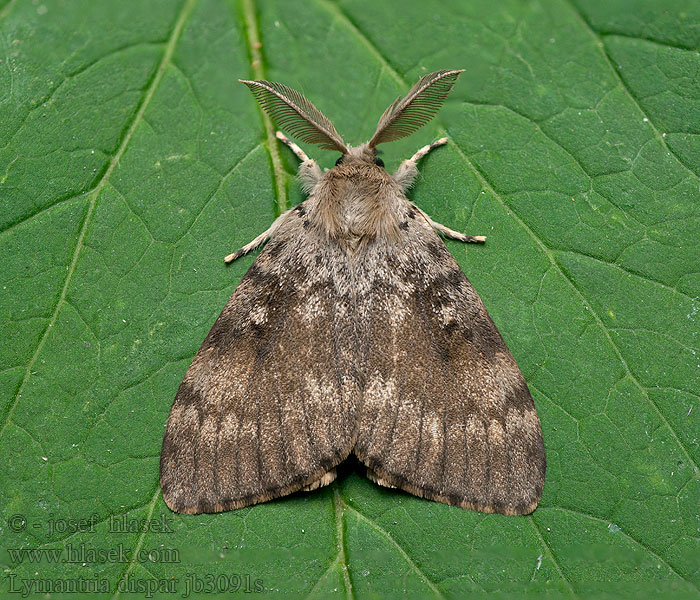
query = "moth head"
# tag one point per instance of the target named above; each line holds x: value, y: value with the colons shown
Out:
x: 360, y: 154
x: 301, y: 119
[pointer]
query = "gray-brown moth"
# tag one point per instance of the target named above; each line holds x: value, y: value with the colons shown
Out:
x: 354, y: 331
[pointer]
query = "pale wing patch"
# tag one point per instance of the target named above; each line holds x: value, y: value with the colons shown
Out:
x: 312, y: 309
x: 190, y: 416
x: 378, y: 392
x: 259, y: 314
x: 498, y: 463
x: 477, y: 455
x: 398, y: 309
x: 320, y: 390
x: 509, y: 375
x: 496, y: 433
x: 448, y: 314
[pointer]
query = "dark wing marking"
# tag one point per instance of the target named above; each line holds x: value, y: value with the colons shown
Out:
x: 446, y: 413
x: 268, y: 405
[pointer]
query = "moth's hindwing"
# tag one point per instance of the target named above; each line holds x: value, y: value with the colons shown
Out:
x: 268, y: 406
x: 446, y: 413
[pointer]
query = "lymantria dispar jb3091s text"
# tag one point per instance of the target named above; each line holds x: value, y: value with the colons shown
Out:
x: 354, y: 331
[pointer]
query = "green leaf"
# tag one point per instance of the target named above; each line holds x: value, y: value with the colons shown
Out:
x: 132, y: 162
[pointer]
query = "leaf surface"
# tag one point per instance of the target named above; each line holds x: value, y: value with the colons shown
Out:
x: 132, y: 162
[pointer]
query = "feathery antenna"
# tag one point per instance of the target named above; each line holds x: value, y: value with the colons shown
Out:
x: 420, y: 105
x: 296, y: 115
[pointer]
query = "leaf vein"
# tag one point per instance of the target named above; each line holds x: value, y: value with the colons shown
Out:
x: 413, y: 566
x: 342, y: 558
x: 600, y: 44
x: 252, y: 34
x: 139, y: 543
x: 655, y: 282
x: 648, y: 39
x: 226, y: 175
x: 627, y: 535
x: 41, y: 211
x: 150, y: 90
x: 549, y: 553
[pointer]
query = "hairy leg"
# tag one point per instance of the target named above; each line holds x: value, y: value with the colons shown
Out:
x: 309, y: 171
x: 260, y: 240
x: 309, y: 174
x: 405, y: 175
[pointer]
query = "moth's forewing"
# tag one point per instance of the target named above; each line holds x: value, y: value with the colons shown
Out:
x: 446, y: 413
x: 268, y: 405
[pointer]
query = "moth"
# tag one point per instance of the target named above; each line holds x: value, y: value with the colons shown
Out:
x: 354, y: 331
